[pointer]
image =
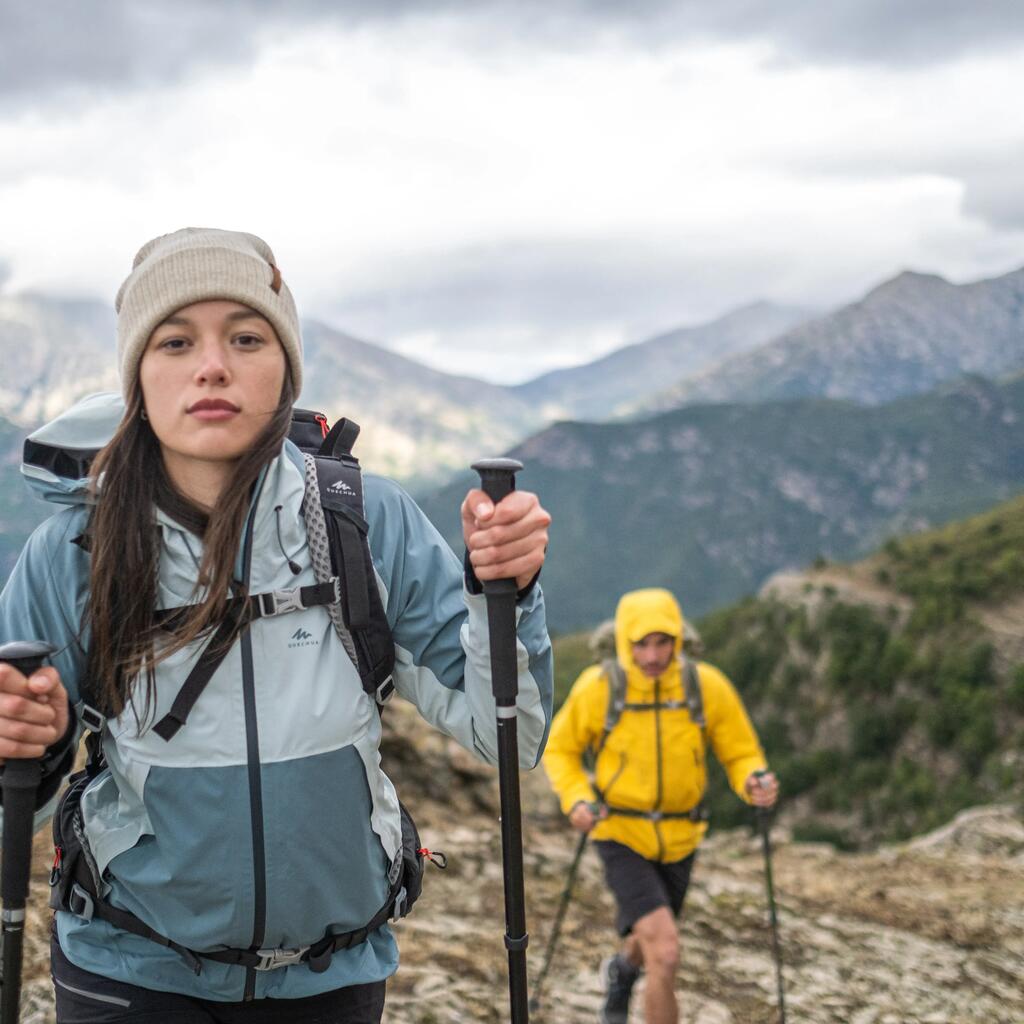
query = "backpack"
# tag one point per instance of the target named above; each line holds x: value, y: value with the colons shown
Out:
x: 338, y: 539
x: 693, y: 702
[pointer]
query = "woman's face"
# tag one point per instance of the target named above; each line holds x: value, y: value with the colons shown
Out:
x: 211, y: 378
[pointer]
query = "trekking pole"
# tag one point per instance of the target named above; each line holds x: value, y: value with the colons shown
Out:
x: 497, y: 478
x: 21, y: 777
x: 764, y: 827
x: 556, y: 928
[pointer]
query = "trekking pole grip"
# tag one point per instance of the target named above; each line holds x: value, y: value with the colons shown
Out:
x: 21, y: 777
x: 498, y: 480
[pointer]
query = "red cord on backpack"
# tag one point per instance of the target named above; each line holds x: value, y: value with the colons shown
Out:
x: 438, y: 859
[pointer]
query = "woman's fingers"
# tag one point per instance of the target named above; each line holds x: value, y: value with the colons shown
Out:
x: 33, y: 712
x: 507, y: 540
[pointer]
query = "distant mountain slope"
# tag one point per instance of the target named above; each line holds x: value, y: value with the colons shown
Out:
x: 20, y: 512
x: 598, y: 389
x: 52, y: 352
x: 710, y: 500
x: 904, y: 337
x: 419, y: 424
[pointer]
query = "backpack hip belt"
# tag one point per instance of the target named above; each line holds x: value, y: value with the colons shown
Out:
x: 694, y: 814
x: 83, y: 901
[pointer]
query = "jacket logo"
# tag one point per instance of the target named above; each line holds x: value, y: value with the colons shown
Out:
x: 340, y: 487
x: 301, y: 638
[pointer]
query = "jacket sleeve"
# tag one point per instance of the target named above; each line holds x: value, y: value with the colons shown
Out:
x: 42, y: 600
x: 572, y: 732
x: 442, y: 646
x: 730, y: 733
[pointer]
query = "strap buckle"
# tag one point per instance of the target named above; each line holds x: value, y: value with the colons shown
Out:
x: 400, y: 908
x: 385, y: 691
x: 80, y: 903
x: 91, y: 718
x: 271, y: 959
x: 280, y: 602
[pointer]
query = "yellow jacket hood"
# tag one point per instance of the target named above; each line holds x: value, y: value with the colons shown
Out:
x: 639, y: 613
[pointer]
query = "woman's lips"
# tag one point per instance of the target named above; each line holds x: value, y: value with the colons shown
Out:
x: 213, y: 409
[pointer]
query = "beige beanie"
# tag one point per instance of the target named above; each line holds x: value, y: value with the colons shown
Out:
x: 194, y: 265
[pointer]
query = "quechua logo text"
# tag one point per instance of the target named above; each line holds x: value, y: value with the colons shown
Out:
x: 302, y: 638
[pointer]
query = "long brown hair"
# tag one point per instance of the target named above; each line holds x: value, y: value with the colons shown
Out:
x: 128, y: 481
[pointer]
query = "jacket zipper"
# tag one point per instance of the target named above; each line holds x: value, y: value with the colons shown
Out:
x: 657, y: 748
x: 252, y: 743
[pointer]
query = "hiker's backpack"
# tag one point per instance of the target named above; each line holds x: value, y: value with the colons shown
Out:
x: 346, y: 585
x: 693, y: 702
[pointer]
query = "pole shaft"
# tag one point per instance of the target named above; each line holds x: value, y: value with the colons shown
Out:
x: 512, y: 858
x: 556, y: 928
x: 763, y: 819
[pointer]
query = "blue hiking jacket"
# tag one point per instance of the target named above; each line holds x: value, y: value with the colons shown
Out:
x: 266, y: 821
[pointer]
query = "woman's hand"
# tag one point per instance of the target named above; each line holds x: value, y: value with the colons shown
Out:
x: 507, y: 540
x: 33, y: 712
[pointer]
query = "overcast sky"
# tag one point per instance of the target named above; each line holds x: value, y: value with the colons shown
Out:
x: 502, y: 188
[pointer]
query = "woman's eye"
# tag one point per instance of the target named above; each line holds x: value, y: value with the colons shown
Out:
x: 173, y: 344
x: 248, y: 340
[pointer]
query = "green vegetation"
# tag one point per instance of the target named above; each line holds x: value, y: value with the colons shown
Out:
x: 884, y: 723
x: 572, y: 656
x: 945, y: 570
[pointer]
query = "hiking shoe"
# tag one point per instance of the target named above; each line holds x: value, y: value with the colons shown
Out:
x: 619, y: 978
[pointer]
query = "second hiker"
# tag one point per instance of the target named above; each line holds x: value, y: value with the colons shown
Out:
x: 646, y: 718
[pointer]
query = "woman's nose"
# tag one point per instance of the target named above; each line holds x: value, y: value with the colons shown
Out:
x: 212, y: 367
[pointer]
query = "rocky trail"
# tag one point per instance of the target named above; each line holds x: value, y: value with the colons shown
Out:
x: 930, y: 932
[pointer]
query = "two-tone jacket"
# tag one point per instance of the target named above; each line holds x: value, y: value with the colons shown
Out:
x: 653, y: 760
x: 267, y: 821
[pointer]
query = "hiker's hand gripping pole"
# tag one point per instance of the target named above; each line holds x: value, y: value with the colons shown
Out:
x: 497, y: 478
x: 21, y: 778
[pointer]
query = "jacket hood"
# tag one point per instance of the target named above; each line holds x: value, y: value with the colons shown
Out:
x: 58, y: 455
x: 640, y: 612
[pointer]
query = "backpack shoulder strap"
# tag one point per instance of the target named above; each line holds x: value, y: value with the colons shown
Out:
x: 616, y: 699
x: 339, y: 545
x: 694, y: 696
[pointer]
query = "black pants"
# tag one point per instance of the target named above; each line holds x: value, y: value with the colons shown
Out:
x: 86, y: 998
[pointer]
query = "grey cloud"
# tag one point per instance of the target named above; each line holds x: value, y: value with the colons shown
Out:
x: 992, y: 189
x: 555, y: 291
x: 63, y: 45
x: 991, y: 178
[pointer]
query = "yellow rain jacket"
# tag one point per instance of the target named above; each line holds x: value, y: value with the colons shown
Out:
x: 652, y: 760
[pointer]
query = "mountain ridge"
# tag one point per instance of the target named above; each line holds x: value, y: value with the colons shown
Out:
x: 904, y: 336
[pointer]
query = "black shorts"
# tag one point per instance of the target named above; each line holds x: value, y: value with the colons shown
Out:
x: 640, y: 885
x: 86, y: 998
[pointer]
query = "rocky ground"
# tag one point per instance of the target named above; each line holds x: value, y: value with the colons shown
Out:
x: 931, y: 932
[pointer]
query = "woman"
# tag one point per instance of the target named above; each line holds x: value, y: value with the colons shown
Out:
x: 265, y: 823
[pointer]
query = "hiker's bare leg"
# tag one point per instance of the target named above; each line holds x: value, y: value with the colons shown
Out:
x: 658, y: 939
x: 631, y: 950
